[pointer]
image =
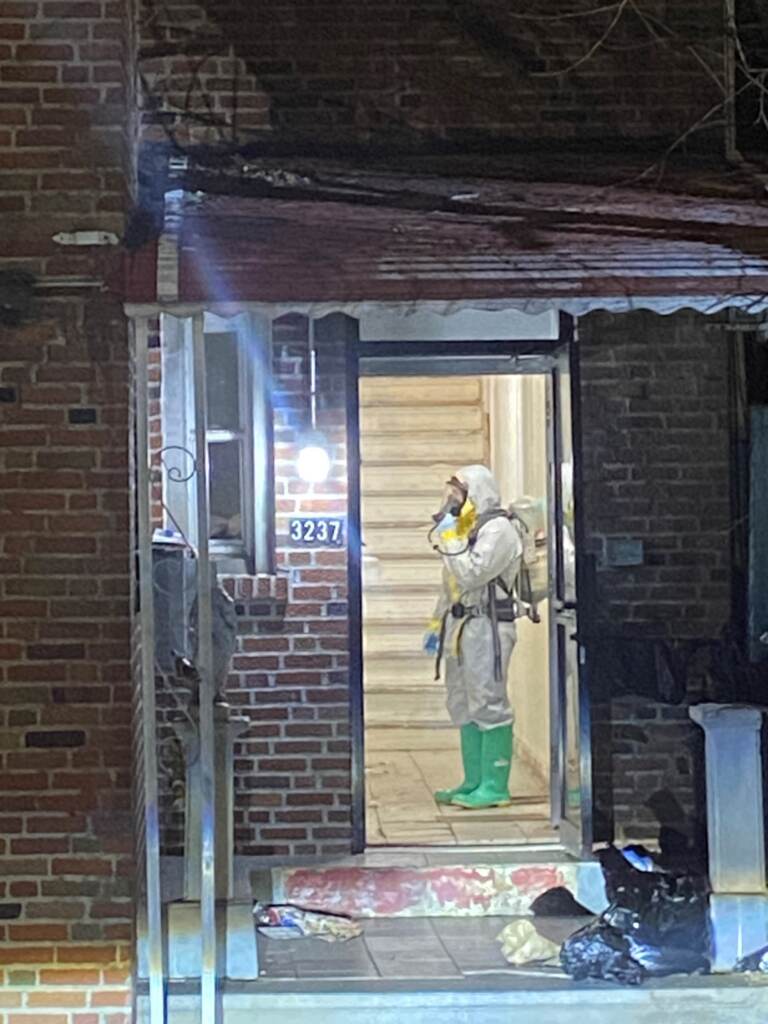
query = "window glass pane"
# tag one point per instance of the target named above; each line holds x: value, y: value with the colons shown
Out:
x: 221, y: 370
x: 226, y: 490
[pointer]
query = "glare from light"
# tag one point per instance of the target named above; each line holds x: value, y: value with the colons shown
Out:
x: 313, y: 464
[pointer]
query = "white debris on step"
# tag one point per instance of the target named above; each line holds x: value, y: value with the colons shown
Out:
x: 522, y: 944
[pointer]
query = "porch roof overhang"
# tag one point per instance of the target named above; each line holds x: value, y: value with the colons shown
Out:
x: 482, y: 242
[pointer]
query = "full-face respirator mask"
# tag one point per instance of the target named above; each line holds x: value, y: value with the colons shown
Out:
x: 455, y: 498
x: 457, y: 507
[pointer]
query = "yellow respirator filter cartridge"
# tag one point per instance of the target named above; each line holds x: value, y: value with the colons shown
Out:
x: 467, y: 519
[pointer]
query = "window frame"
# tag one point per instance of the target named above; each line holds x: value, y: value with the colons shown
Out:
x: 223, y: 547
x: 254, y: 554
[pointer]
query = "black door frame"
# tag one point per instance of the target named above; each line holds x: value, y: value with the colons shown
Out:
x: 521, y: 356
x: 576, y: 838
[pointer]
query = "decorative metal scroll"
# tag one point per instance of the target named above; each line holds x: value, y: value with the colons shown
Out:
x: 175, y: 473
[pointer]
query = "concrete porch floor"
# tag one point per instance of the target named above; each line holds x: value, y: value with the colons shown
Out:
x: 451, y: 971
x: 437, y: 947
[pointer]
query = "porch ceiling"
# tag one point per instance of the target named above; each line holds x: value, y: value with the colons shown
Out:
x: 373, y: 238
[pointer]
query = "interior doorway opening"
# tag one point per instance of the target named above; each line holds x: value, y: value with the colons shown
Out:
x: 415, y: 433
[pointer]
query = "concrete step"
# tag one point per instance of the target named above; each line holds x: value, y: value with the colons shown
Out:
x: 420, y: 391
x: 463, y: 446
x: 522, y: 996
x: 414, y: 510
x: 407, y: 885
x: 427, y: 479
x: 409, y: 587
x: 396, y: 604
x: 390, y: 707
x: 401, y: 638
x: 385, y: 571
x: 384, y: 740
x: 431, y: 420
x: 394, y: 674
x: 406, y: 671
x: 398, y: 542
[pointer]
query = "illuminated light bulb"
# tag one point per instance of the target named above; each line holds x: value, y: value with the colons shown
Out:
x: 313, y: 463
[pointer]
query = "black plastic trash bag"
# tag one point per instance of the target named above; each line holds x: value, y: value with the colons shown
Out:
x: 558, y: 902
x: 659, y: 910
x: 657, y: 921
x: 659, y: 961
x: 757, y: 961
x: 600, y: 951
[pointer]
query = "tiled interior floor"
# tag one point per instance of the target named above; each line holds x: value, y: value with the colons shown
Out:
x: 437, y: 947
x: 405, y: 766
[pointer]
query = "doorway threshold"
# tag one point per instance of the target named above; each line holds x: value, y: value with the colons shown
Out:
x: 417, y: 855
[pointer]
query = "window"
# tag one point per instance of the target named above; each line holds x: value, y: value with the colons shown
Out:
x: 230, y: 459
x: 238, y: 436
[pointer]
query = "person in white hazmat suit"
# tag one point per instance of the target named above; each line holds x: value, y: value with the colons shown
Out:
x: 473, y: 631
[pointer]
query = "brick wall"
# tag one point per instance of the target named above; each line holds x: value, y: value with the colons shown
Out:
x: 65, y: 895
x: 289, y: 674
x: 65, y: 898
x: 64, y: 148
x: 655, y: 437
x: 420, y: 74
x: 290, y: 677
x: 656, y: 449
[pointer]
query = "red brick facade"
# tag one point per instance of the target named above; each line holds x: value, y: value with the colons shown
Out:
x: 290, y: 675
x: 655, y: 402
x: 656, y: 449
x: 66, y: 908
x: 67, y: 866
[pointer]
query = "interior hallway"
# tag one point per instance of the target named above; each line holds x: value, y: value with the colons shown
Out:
x: 414, y: 433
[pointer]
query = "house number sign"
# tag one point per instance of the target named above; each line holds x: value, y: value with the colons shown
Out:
x: 311, y: 531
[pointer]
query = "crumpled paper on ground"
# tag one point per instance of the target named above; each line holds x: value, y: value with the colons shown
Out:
x: 522, y: 944
x: 286, y: 921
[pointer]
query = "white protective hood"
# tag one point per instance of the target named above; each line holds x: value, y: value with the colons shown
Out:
x: 482, y: 489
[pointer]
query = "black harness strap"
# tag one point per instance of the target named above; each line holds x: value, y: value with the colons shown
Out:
x: 441, y: 644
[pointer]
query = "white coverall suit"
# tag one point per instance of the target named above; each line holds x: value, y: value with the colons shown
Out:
x: 473, y: 693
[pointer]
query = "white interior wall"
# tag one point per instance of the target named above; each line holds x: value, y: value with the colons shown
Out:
x: 516, y: 407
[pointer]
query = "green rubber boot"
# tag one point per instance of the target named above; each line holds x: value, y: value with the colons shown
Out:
x: 496, y: 761
x: 471, y: 750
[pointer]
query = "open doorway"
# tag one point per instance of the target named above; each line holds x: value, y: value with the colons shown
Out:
x: 415, y: 432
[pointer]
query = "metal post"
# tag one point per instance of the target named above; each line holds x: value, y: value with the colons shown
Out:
x: 312, y: 376
x: 149, y: 714
x: 556, y: 696
x: 208, y: 999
